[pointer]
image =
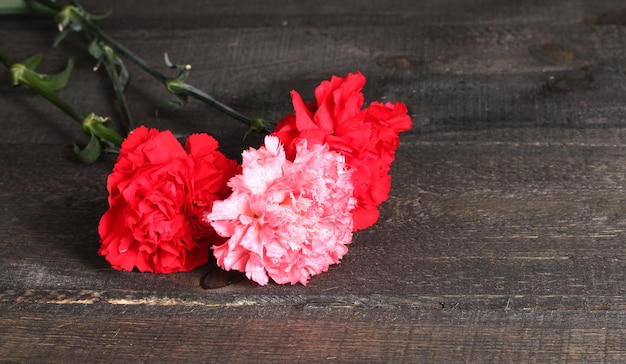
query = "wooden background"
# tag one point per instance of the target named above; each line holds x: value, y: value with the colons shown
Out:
x: 502, y: 240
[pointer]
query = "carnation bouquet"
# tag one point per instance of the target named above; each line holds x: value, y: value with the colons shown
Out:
x: 284, y: 214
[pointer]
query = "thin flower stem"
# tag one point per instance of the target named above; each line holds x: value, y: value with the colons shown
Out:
x: 94, y: 124
x: 184, y: 88
x: 58, y: 102
x: 26, y: 7
x: 257, y: 124
x: 121, y: 98
x: 49, y: 4
x: 119, y: 48
x: 181, y: 88
x: 109, y: 62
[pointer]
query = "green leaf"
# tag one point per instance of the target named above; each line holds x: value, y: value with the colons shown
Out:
x: 95, y: 49
x: 123, y: 75
x: 168, y: 62
x: 171, y: 105
x: 25, y: 73
x: 91, y: 152
x: 33, y: 62
x: 62, y: 34
x: 106, y: 54
x: 121, y: 72
x: 179, y: 89
x: 59, y: 80
x: 100, y: 17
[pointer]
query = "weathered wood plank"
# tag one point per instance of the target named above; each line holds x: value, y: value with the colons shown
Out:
x: 502, y: 241
x: 61, y: 333
x: 327, y: 13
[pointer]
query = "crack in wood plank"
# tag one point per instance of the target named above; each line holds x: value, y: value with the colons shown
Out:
x: 485, y: 301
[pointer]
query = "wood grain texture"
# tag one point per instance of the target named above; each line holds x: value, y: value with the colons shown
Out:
x: 123, y: 333
x: 502, y: 239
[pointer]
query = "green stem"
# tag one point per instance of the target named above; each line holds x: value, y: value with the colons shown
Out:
x: 94, y: 124
x: 181, y: 88
x: 257, y: 124
x: 57, y: 101
x: 118, y: 88
x: 119, y: 48
x: 25, y: 7
x: 121, y: 98
x: 28, y: 78
x: 49, y: 4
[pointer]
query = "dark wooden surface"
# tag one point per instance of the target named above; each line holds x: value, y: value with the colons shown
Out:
x: 503, y: 239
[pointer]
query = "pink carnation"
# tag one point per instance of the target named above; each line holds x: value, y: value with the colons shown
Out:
x: 367, y: 137
x: 286, y: 220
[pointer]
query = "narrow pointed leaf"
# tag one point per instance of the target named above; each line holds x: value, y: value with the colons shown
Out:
x: 118, y: 74
x: 168, y: 62
x: 171, y: 105
x: 32, y: 62
x: 95, y: 49
x: 62, y: 34
x: 122, y: 71
x: 59, y: 80
x: 91, y: 152
x: 100, y: 17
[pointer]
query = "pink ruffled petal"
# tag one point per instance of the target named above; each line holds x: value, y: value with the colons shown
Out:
x: 295, y: 224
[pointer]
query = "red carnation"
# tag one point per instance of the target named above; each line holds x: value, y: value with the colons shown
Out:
x: 368, y: 138
x: 157, y: 195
